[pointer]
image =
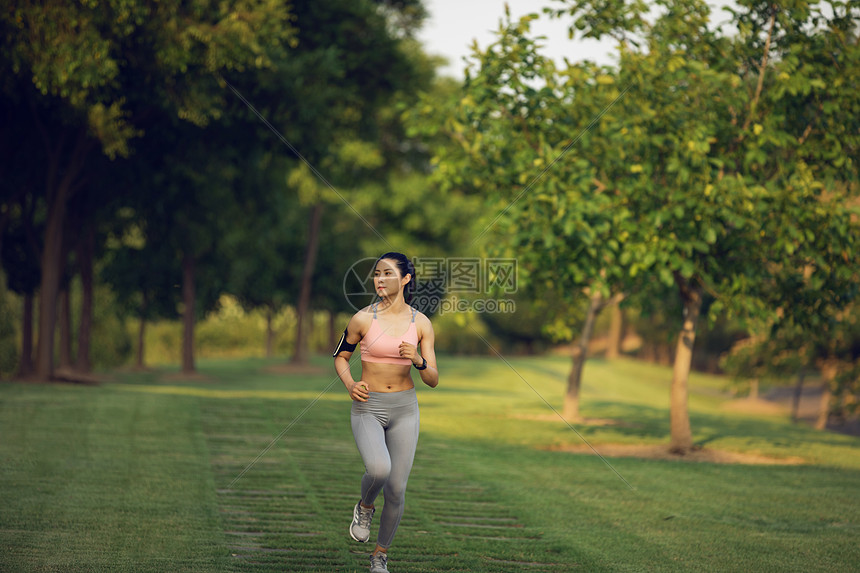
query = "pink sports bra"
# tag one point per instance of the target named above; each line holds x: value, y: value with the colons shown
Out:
x: 376, y: 346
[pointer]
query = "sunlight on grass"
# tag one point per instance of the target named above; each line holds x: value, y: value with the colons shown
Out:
x: 628, y: 400
x: 249, y: 467
x: 230, y: 394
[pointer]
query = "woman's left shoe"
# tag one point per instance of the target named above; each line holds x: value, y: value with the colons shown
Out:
x: 379, y: 563
x: 359, y: 529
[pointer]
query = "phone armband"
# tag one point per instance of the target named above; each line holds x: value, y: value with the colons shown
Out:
x: 343, y: 345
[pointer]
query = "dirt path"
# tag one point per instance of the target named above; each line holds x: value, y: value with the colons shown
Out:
x: 661, y: 452
x: 776, y: 402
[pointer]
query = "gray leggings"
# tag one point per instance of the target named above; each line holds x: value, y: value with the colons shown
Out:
x: 386, y: 433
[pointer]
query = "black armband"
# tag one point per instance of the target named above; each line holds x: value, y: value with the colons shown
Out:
x: 343, y: 345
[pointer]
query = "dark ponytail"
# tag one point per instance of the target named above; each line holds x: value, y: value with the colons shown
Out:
x: 405, y: 267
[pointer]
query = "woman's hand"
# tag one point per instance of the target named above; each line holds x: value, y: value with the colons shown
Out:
x: 359, y: 391
x: 410, y: 351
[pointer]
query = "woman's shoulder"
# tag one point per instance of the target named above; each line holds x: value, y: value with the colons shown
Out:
x: 362, y: 318
x: 422, y: 319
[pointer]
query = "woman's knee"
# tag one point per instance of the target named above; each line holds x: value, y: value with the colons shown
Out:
x: 378, y: 470
x: 395, y: 491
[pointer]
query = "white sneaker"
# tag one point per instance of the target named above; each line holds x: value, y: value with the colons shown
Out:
x: 361, y: 518
x: 379, y: 563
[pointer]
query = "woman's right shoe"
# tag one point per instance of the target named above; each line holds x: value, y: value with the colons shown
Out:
x: 379, y: 563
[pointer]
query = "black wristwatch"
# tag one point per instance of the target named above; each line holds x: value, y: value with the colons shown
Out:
x: 423, y: 366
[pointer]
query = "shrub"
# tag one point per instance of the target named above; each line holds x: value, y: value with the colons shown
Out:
x: 9, y: 337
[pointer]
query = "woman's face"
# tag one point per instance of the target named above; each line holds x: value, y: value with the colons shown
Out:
x: 387, y: 281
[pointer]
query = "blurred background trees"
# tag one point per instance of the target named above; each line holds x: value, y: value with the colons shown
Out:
x: 703, y: 162
x: 227, y: 161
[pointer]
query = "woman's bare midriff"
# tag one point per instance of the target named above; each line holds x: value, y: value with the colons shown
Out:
x: 386, y: 377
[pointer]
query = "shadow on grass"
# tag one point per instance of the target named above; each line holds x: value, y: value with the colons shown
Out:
x: 652, y: 425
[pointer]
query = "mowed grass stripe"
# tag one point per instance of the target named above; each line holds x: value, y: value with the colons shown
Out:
x: 101, y: 478
x: 93, y: 479
x: 316, y: 469
x: 271, y: 514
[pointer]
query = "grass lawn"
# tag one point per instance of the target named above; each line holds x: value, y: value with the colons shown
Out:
x: 253, y: 470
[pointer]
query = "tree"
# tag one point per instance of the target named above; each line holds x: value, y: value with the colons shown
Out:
x: 264, y: 259
x: 330, y: 100
x: 19, y: 253
x: 787, y: 349
x: 193, y: 213
x: 719, y: 166
x: 78, y: 67
x: 512, y: 129
x: 143, y: 279
x: 687, y: 178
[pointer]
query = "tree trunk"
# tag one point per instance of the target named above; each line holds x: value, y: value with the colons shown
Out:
x: 50, y: 285
x: 85, y: 266
x: 616, y: 332
x: 824, y: 407
x: 59, y: 187
x: 25, y: 367
x: 65, y: 326
x: 310, y: 328
x: 141, y: 333
x: 270, y: 332
x: 664, y: 354
x: 580, y: 354
x: 141, y: 336
x: 300, y: 356
x: 753, y: 389
x: 332, y: 329
x: 188, y: 300
x: 795, y: 400
x: 828, y: 373
x: 681, y: 436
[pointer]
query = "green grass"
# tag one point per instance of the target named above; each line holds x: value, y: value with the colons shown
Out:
x: 253, y: 471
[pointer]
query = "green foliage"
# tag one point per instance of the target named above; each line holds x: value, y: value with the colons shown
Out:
x: 673, y: 168
x: 832, y: 349
x: 9, y: 337
x: 89, y: 54
x: 162, y: 341
x: 336, y: 98
x: 456, y: 335
x: 780, y: 355
x: 143, y: 281
x: 676, y: 168
x: 231, y: 331
x: 213, y: 339
x: 19, y: 254
x: 132, y: 77
x: 110, y: 345
x: 195, y: 174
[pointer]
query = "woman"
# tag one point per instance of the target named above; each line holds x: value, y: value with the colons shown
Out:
x: 384, y: 412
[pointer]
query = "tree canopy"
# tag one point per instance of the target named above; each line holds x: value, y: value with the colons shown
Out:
x: 191, y: 105
x: 684, y: 165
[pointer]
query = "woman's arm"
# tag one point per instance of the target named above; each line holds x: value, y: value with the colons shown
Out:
x: 357, y: 390
x: 427, y: 340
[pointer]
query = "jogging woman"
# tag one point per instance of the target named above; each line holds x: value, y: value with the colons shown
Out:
x: 384, y: 413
